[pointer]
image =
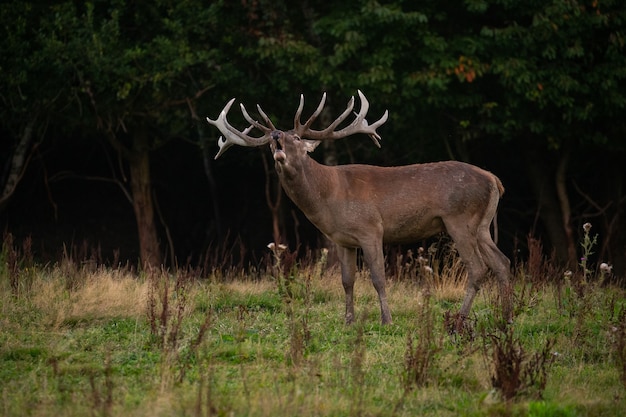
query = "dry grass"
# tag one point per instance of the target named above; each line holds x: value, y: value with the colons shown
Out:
x: 102, y: 295
x: 248, y: 287
x: 448, y: 279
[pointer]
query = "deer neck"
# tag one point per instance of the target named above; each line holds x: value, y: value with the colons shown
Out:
x: 306, y: 183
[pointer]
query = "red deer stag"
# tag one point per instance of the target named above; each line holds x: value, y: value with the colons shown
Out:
x: 363, y: 206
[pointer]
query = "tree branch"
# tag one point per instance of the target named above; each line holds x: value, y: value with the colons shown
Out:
x: 65, y: 175
x: 601, y: 210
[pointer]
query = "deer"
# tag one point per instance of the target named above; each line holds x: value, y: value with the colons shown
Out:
x: 365, y: 206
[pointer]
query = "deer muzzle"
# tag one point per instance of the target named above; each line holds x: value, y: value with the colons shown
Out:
x: 279, y: 154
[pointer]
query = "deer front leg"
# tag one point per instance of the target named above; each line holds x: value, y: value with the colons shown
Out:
x: 374, y: 257
x: 347, y: 257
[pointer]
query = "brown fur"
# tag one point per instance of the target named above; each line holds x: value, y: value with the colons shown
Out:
x: 363, y: 206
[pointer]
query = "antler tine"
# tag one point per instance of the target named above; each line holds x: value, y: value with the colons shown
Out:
x: 358, y: 125
x: 375, y: 125
x: 300, y: 128
x: 296, y: 119
x: 256, y: 124
x: 232, y: 136
x: 341, y: 117
x: 365, y: 127
x: 365, y: 106
x: 267, y: 119
x: 225, y: 144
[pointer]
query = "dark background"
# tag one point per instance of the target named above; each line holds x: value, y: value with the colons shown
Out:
x: 534, y: 93
x: 64, y: 203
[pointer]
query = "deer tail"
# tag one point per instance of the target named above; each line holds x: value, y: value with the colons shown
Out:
x: 500, y: 186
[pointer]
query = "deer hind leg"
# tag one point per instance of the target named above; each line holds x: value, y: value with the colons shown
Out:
x: 347, y: 257
x: 500, y: 265
x: 467, y: 245
x: 476, y: 272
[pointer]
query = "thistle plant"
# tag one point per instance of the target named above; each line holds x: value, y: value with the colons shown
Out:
x: 277, y: 250
x: 321, y: 263
x: 284, y: 272
x: 605, y: 270
x: 587, y: 244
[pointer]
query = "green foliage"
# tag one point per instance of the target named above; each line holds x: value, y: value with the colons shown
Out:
x: 547, y: 69
x: 128, y: 59
x: 493, y: 68
x: 120, y: 63
x: 31, y: 88
x: 548, y: 409
x: 552, y: 61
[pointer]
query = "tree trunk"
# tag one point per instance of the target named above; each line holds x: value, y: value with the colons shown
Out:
x: 566, y: 212
x: 139, y: 162
x: 273, y: 199
x: 208, y: 171
x: 18, y: 163
x: 544, y: 183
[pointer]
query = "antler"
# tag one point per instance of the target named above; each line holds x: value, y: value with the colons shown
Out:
x: 358, y: 125
x: 233, y: 136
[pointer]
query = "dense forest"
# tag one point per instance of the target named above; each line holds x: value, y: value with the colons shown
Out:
x: 105, y: 150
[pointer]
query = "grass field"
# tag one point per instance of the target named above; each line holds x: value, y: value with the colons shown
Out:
x: 81, y: 339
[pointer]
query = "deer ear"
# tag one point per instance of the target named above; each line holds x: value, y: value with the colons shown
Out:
x: 310, y: 145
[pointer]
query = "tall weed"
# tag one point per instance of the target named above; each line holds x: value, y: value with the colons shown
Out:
x: 514, y: 372
x: 619, y: 344
x: 17, y: 264
x: 422, y: 347
x: 168, y: 308
x: 357, y: 368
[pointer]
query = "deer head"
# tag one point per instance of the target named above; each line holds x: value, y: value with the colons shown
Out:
x: 364, y: 206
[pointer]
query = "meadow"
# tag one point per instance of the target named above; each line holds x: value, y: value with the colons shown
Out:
x: 81, y: 339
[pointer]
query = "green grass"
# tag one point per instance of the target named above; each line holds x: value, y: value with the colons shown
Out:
x: 92, y: 348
